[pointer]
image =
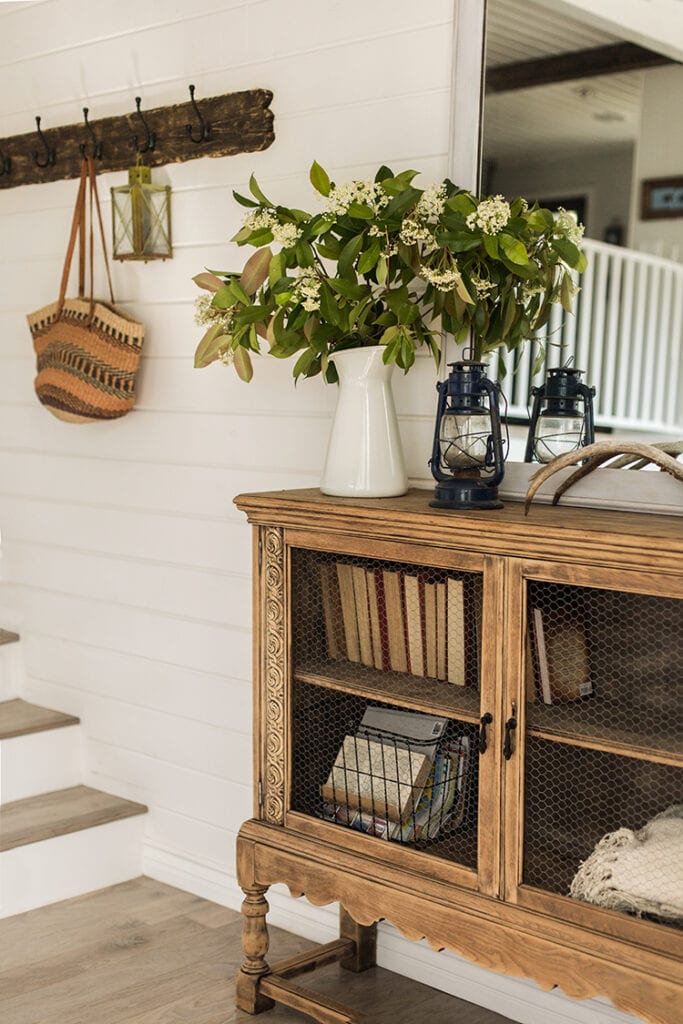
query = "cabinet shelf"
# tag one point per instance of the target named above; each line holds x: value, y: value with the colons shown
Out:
x: 561, y: 724
x: 417, y: 692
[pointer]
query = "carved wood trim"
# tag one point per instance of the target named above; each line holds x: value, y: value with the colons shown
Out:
x: 274, y: 667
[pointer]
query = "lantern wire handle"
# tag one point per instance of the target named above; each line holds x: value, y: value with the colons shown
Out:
x: 204, y: 128
x: 97, y: 146
x: 50, y: 152
x: 151, y: 140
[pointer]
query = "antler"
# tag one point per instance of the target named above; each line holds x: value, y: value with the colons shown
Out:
x: 595, y: 455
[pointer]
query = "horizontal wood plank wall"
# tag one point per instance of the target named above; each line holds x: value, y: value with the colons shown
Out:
x: 121, y: 548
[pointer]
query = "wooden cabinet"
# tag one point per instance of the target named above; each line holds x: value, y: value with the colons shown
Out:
x: 562, y: 636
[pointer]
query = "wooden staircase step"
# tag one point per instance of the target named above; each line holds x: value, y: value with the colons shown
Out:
x: 37, y: 818
x: 19, y: 718
x: 8, y: 637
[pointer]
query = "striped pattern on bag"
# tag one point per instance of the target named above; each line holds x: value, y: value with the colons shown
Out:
x: 86, y: 371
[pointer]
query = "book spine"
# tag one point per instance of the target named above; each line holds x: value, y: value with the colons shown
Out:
x: 441, y: 631
x: 375, y: 628
x: 360, y: 591
x: 329, y: 591
x: 413, y: 619
x: 348, y: 607
x: 393, y: 601
x: 456, y: 632
x: 542, y: 656
x: 430, y: 630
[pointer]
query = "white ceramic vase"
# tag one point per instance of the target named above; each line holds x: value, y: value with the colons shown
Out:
x: 364, y: 455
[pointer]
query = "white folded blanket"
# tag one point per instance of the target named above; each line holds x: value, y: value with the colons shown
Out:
x: 641, y: 872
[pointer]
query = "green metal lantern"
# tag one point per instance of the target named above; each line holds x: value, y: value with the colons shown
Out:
x: 141, y: 215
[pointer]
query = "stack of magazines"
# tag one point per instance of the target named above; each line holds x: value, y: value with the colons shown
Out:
x: 402, y: 776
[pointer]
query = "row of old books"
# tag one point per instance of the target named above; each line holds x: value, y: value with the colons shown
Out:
x: 401, y: 776
x: 397, y: 620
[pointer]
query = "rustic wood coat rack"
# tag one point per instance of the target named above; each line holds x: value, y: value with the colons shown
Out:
x: 238, y: 122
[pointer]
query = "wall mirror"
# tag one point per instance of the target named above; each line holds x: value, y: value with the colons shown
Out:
x: 586, y: 114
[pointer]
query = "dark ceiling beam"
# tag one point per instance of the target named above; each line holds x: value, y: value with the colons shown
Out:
x: 565, y: 67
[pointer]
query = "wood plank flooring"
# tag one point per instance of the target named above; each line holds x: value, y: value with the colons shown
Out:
x: 145, y: 953
x: 19, y: 718
x: 58, y: 813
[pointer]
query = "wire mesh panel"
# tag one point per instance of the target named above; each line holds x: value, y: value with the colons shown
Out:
x: 394, y: 774
x: 364, y: 620
x: 604, y: 758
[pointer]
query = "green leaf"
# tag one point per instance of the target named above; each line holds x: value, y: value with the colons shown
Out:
x: 348, y: 255
x: 329, y: 310
x: 303, y: 363
x: 209, y: 347
x: 513, y: 249
x: 209, y: 282
x: 319, y: 179
x: 236, y: 289
x: 251, y: 315
x: 276, y: 269
x: 256, y: 270
x: 567, y: 251
x: 361, y: 211
x: 223, y: 299
x: 242, y: 364
x: 491, y: 246
x: 369, y: 258
x: 243, y: 200
x: 347, y: 288
x: 383, y: 173
x: 257, y: 193
x: 461, y: 203
x: 381, y: 271
x: 566, y: 292
x: 400, y: 203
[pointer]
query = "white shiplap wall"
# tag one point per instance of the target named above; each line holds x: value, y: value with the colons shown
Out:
x: 123, y: 556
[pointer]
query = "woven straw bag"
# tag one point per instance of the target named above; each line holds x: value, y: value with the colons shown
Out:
x: 88, y: 351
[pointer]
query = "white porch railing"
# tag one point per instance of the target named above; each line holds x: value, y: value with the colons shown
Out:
x: 626, y: 333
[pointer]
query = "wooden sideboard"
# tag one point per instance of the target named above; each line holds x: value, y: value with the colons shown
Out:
x: 550, y: 649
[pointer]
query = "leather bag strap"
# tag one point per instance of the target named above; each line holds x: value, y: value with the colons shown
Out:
x: 77, y: 228
x: 95, y: 195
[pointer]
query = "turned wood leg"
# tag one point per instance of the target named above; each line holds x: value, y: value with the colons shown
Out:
x: 254, y: 947
x: 365, y: 939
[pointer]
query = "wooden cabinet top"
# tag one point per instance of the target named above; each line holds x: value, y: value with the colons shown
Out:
x: 650, y: 543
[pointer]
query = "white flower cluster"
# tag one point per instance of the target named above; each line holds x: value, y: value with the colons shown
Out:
x: 286, y: 234
x: 412, y: 231
x: 260, y: 220
x: 444, y: 280
x: 369, y: 193
x: 531, y: 288
x: 207, y: 315
x: 226, y: 356
x: 568, y: 226
x: 431, y: 203
x: 482, y: 287
x: 307, y: 290
x: 490, y: 217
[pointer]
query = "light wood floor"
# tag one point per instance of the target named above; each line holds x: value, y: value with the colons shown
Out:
x: 144, y: 953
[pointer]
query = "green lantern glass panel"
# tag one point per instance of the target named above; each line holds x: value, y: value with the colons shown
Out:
x: 141, y: 218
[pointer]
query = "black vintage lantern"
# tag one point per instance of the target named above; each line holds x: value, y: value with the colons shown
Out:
x: 561, y: 417
x: 467, y: 456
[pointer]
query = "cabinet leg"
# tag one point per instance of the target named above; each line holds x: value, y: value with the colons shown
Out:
x: 254, y: 947
x: 365, y: 939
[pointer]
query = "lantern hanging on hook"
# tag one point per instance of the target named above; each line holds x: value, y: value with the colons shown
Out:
x: 141, y: 214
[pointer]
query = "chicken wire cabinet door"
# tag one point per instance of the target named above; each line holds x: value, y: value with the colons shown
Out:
x: 389, y: 732
x: 599, y: 758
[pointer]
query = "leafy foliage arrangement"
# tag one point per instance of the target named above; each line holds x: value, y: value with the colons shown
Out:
x: 386, y: 263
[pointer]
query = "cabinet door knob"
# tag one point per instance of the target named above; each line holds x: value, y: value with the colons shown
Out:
x: 510, y: 725
x: 484, y: 721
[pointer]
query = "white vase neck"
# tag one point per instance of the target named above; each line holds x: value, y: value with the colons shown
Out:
x: 362, y: 364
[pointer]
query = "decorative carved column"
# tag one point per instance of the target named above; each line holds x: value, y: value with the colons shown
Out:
x: 254, y: 946
x: 274, y: 667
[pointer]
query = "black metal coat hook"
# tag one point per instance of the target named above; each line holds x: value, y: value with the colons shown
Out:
x: 205, y: 129
x: 5, y: 164
x: 96, y: 146
x: 151, y: 140
x: 50, y: 151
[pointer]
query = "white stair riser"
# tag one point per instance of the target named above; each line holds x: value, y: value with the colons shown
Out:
x: 71, y: 865
x: 11, y: 670
x: 39, y: 763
